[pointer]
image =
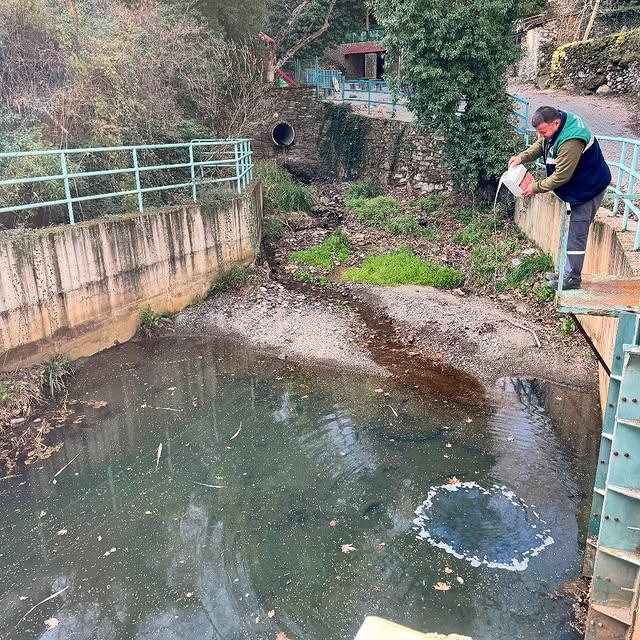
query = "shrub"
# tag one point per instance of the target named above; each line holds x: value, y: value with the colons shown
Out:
x: 334, y: 247
x: 273, y: 230
x: 404, y: 267
x: 151, y: 321
x: 54, y: 374
x: 369, y: 189
x: 281, y: 191
x: 229, y: 281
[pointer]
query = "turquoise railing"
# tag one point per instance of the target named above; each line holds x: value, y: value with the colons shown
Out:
x: 199, y: 162
x: 373, y: 35
x: 622, y: 156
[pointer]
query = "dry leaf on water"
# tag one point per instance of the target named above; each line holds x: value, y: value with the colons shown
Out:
x: 460, y: 580
x: 62, y: 532
x: 333, y: 523
x: 448, y: 570
x: 453, y: 480
x: 442, y: 586
x: 380, y: 546
x: 271, y: 613
x: 347, y: 548
x: 52, y: 623
x: 281, y: 635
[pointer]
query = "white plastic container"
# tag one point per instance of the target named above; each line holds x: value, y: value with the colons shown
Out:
x: 516, y: 178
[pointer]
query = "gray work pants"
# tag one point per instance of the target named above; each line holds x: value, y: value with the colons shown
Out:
x: 582, y: 215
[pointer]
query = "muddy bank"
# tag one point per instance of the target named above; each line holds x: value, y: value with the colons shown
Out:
x: 284, y: 323
x: 478, y: 336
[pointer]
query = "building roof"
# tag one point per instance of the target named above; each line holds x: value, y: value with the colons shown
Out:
x: 361, y: 47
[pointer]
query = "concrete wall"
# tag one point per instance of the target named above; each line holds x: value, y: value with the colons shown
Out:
x: 79, y: 289
x: 396, y: 153
x: 607, y: 253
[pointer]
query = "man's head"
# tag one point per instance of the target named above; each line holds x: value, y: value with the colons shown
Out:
x: 546, y: 121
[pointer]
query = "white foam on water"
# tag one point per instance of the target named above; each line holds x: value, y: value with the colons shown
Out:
x: 515, y: 564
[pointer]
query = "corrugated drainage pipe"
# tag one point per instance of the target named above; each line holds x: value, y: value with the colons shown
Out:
x: 283, y: 134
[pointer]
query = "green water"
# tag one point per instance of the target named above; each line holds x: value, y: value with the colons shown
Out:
x: 148, y: 553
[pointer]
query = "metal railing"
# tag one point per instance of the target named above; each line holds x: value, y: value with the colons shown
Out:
x: 373, y: 35
x: 195, y: 163
x: 623, y: 157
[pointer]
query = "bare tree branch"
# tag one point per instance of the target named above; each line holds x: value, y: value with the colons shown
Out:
x: 307, y: 39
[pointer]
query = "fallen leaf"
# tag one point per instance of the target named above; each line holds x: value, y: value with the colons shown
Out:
x: 460, y: 580
x: 281, y: 635
x: 333, y: 523
x: 52, y: 623
x: 379, y: 390
x: 257, y: 619
x: 147, y: 513
x: 453, y: 480
x: 62, y: 532
x: 380, y: 546
x: 271, y: 613
x: 445, y: 455
x: 468, y: 420
x: 448, y: 445
x: 43, y: 514
x: 442, y: 586
x: 448, y: 570
x: 510, y: 439
x: 188, y: 594
x: 24, y: 598
x: 347, y: 548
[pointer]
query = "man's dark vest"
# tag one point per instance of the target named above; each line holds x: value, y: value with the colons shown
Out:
x: 592, y: 175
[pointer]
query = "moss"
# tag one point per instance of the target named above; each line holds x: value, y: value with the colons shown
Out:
x: 404, y: 267
x: 343, y: 138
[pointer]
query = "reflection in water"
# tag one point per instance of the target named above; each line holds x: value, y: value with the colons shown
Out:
x: 155, y: 553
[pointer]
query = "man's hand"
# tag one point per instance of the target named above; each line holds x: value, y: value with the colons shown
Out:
x: 514, y: 161
x: 528, y: 192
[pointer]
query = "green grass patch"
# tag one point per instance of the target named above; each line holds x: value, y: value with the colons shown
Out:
x: 306, y: 276
x: 527, y: 270
x: 334, y: 247
x: 55, y: 374
x: 485, y: 260
x: 375, y: 212
x: 281, y: 191
x: 543, y: 293
x: 230, y: 280
x: 369, y: 189
x: 406, y: 225
x: 273, y: 230
x: 427, y: 204
x: 567, y: 326
x: 404, y: 267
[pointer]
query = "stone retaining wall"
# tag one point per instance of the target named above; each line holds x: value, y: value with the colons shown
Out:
x: 602, y: 65
x: 395, y: 152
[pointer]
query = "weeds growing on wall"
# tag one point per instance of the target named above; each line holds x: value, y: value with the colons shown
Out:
x: 55, y: 374
x: 282, y: 192
x: 344, y: 135
x: 404, y: 267
x: 335, y: 248
x: 151, y: 322
x: 273, y: 230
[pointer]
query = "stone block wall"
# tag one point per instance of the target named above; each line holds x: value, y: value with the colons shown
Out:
x: 602, y: 65
x: 396, y: 152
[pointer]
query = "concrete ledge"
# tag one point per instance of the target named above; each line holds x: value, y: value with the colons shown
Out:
x: 79, y: 288
x: 608, y: 253
x: 375, y: 628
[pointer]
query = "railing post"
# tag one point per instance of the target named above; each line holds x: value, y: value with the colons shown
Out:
x: 525, y: 125
x: 565, y: 213
x: 194, y: 193
x: 343, y: 84
x: 134, y: 154
x: 616, y: 199
x: 630, y: 186
x: 368, y: 96
x: 236, y: 152
x: 67, y: 189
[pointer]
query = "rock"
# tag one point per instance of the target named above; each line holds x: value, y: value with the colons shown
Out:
x: 604, y: 89
x: 531, y: 251
x: 16, y: 421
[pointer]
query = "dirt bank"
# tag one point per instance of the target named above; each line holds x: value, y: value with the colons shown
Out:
x: 284, y: 323
x: 479, y: 336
